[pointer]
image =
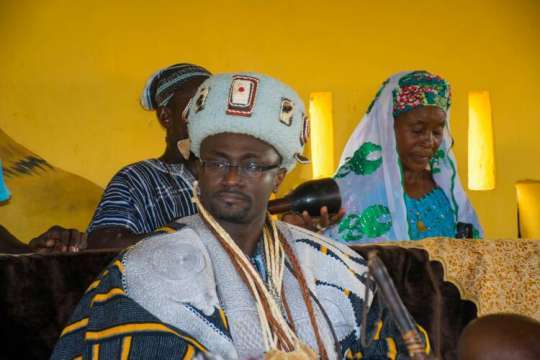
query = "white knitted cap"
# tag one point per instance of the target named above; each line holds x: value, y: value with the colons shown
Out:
x: 251, y: 104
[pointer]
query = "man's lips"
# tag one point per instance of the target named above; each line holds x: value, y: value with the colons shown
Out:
x: 232, y: 196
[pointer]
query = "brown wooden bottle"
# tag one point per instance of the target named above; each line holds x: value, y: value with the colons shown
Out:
x: 402, y: 318
x: 309, y: 196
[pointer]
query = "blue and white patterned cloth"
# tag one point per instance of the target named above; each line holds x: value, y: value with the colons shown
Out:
x: 145, y: 196
x: 162, y: 85
x: 177, y: 294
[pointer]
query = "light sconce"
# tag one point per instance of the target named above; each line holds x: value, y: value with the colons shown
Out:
x: 528, y: 203
x: 322, y: 134
x: 481, y: 150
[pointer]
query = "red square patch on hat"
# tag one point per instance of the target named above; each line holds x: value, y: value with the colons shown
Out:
x: 242, y: 95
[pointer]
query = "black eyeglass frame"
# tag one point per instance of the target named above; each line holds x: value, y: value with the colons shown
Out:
x: 255, y: 171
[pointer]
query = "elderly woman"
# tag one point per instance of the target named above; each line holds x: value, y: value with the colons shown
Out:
x: 397, y: 175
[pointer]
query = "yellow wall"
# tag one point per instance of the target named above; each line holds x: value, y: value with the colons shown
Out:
x: 42, y: 195
x: 71, y: 71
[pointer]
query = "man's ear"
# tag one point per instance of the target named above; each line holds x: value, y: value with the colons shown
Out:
x: 197, y: 168
x: 164, y: 115
x: 278, y: 179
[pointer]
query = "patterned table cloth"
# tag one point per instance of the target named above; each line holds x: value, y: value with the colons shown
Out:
x: 497, y: 275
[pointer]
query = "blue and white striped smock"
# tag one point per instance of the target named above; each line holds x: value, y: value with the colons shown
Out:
x: 145, y: 196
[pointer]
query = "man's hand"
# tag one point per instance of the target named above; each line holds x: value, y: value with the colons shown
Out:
x: 113, y: 238
x: 317, y: 224
x: 59, y: 239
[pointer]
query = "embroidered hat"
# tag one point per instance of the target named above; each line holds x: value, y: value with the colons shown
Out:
x: 252, y: 104
x: 160, y: 87
x: 420, y: 88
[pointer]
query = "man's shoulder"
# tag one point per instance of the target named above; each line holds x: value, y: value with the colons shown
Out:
x: 173, y: 261
x: 172, y: 241
x: 149, y: 165
x: 153, y: 171
x: 141, y: 174
x: 134, y: 171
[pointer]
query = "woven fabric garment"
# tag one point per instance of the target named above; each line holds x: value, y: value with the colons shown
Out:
x: 178, y: 294
x: 145, y: 196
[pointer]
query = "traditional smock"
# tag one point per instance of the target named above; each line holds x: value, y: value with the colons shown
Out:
x: 145, y: 196
x: 176, y: 295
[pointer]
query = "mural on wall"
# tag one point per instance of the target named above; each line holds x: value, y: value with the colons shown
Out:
x: 42, y: 195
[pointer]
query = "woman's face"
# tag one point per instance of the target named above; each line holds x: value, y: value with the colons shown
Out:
x: 419, y: 133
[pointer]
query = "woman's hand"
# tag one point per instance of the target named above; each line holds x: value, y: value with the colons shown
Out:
x: 315, y: 224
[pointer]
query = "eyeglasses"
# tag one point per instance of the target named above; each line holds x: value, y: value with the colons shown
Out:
x: 248, y: 169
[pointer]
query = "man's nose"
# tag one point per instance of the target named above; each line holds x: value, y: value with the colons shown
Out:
x: 232, y: 175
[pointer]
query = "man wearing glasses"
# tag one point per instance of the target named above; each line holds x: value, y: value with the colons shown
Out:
x: 231, y: 283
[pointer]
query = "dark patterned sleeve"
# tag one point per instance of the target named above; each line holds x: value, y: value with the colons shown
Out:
x: 120, y: 206
x: 107, y: 324
x: 385, y: 340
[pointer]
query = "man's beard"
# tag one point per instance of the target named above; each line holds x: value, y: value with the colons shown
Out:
x: 220, y: 210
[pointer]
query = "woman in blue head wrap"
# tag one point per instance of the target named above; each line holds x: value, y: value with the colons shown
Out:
x: 397, y: 175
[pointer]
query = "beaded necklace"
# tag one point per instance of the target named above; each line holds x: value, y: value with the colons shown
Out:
x: 280, y: 341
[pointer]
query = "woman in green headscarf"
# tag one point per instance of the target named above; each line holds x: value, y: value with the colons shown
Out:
x: 397, y: 175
